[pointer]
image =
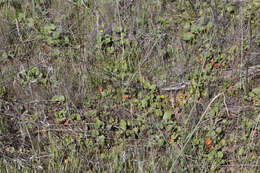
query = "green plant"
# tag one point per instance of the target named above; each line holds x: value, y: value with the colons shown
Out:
x: 82, y: 86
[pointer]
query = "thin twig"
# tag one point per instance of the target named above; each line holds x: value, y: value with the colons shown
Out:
x: 176, y: 87
x: 18, y: 30
x: 226, y: 106
x: 241, y: 43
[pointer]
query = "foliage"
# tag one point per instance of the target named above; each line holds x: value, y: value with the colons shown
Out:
x: 82, y: 86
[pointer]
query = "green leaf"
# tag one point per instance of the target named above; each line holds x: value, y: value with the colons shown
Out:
x: 98, y: 123
x: 160, y: 142
x: 188, y: 36
x: 101, y: 140
x: 152, y: 87
x: 158, y: 112
x: 241, y: 151
x: 94, y: 133
x: 139, y: 121
x: 256, y: 91
x: 92, y: 113
x: 219, y: 130
x: 58, y: 98
x: 170, y: 127
x: 66, y: 40
x: 56, y: 34
x: 146, y: 84
x: 186, y: 26
x: 76, y: 116
x: 56, y: 51
x: 21, y: 16
x: 48, y: 28
x: 102, y: 156
x: 255, y: 95
x: 167, y: 115
x: 118, y: 29
x: 194, y: 29
x: 123, y: 124
x: 220, y: 154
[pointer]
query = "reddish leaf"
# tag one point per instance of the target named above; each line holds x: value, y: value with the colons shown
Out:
x: 100, y: 89
x: 216, y: 65
x: 208, y: 141
x: 255, y: 133
x: 66, y: 123
x: 126, y: 96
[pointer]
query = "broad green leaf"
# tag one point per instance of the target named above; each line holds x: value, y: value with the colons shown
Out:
x: 194, y: 28
x: 123, y: 124
x: 160, y: 142
x: 4, y: 55
x: 48, y: 28
x: 98, y: 123
x: 219, y: 130
x: 220, y: 154
x: 187, y: 26
x: 152, y: 87
x: 21, y: 16
x: 146, y: 84
x: 188, y: 36
x: 241, y: 151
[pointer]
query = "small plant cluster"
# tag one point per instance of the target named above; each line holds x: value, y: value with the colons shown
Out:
x: 99, y: 87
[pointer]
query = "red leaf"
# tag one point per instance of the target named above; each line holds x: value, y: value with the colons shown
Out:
x: 216, y: 65
x: 100, y: 89
x: 126, y: 96
x: 208, y: 141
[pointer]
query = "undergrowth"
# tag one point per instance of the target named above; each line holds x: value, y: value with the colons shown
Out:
x: 129, y: 86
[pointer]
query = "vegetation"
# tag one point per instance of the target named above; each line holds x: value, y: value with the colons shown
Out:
x: 129, y: 86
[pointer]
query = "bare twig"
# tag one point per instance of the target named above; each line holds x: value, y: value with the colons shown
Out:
x: 18, y: 30
x: 226, y: 105
x: 176, y: 87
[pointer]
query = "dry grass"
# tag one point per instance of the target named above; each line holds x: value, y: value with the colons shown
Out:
x: 81, y: 86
